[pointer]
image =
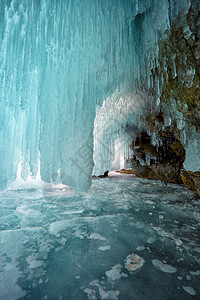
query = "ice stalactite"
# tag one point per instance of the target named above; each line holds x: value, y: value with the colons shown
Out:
x: 58, y: 60
x: 121, y: 117
x: 116, y: 124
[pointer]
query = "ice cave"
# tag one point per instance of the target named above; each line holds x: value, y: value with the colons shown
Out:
x: 99, y: 149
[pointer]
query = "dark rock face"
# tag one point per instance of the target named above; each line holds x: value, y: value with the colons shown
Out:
x: 125, y: 171
x: 165, y: 172
x: 192, y: 180
x: 158, y: 163
x: 176, y: 71
x: 104, y: 175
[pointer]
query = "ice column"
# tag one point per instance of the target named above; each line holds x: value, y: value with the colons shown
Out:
x: 57, y: 60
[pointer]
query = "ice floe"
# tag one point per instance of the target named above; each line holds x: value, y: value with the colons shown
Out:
x: 104, y: 295
x: 96, y: 236
x: 163, y: 267
x: 115, y: 273
x: 189, y: 290
x: 163, y: 233
x: 133, y: 262
x: 104, y: 248
x: 196, y: 273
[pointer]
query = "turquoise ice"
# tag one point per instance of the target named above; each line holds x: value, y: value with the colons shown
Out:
x: 59, y: 61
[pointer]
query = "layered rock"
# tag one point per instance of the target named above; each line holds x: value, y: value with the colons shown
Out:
x: 162, y: 162
x: 169, y: 148
x: 191, y: 180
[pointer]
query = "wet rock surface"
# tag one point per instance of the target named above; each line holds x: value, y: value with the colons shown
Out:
x: 191, y: 180
x: 170, y: 141
x: 158, y: 163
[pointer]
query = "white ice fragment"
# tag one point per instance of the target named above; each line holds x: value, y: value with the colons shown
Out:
x: 91, y: 294
x: 163, y: 233
x: 58, y: 249
x: 179, y: 277
x: 189, y: 290
x: 188, y: 277
x: 104, y: 294
x: 149, y: 202
x: 140, y: 225
x: 96, y: 236
x: 115, y: 272
x: 104, y: 248
x: 113, y: 295
x: 63, y: 241
x: 133, y: 262
x: 33, y: 263
x: 151, y: 240
x: 95, y: 283
x: 57, y: 227
x: 140, y: 248
x: 80, y: 234
x: 131, y: 223
x: 163, y: 267
x: 197, y: 273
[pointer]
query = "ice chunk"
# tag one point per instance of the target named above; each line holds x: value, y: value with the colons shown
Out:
x: 197, y: 273
x: 115, y: 272
x: 133, y: 262
x: 189, y: 290
x: 91, y: 294
x: 33, y: 262
x: 104, y: 248
x: 103, y: 293
x: 140, y: 248
x: 57, y: 227
x: 163, y: 267
x: 163, y: 233
x: 151, y: 240
x: 96, y: 236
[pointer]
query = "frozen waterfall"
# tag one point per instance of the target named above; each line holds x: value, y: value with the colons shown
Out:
x: 59, y: 60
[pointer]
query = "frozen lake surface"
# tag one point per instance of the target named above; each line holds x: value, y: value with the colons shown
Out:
x: 126, y: 238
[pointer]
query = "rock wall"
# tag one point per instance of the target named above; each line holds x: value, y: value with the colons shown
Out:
x: 170, y: 148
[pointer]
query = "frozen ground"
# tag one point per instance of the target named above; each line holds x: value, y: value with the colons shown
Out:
x: 126, y: 238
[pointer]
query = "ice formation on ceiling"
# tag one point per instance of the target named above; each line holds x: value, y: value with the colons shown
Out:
x: 58, y: 60
x: 116, y: 125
